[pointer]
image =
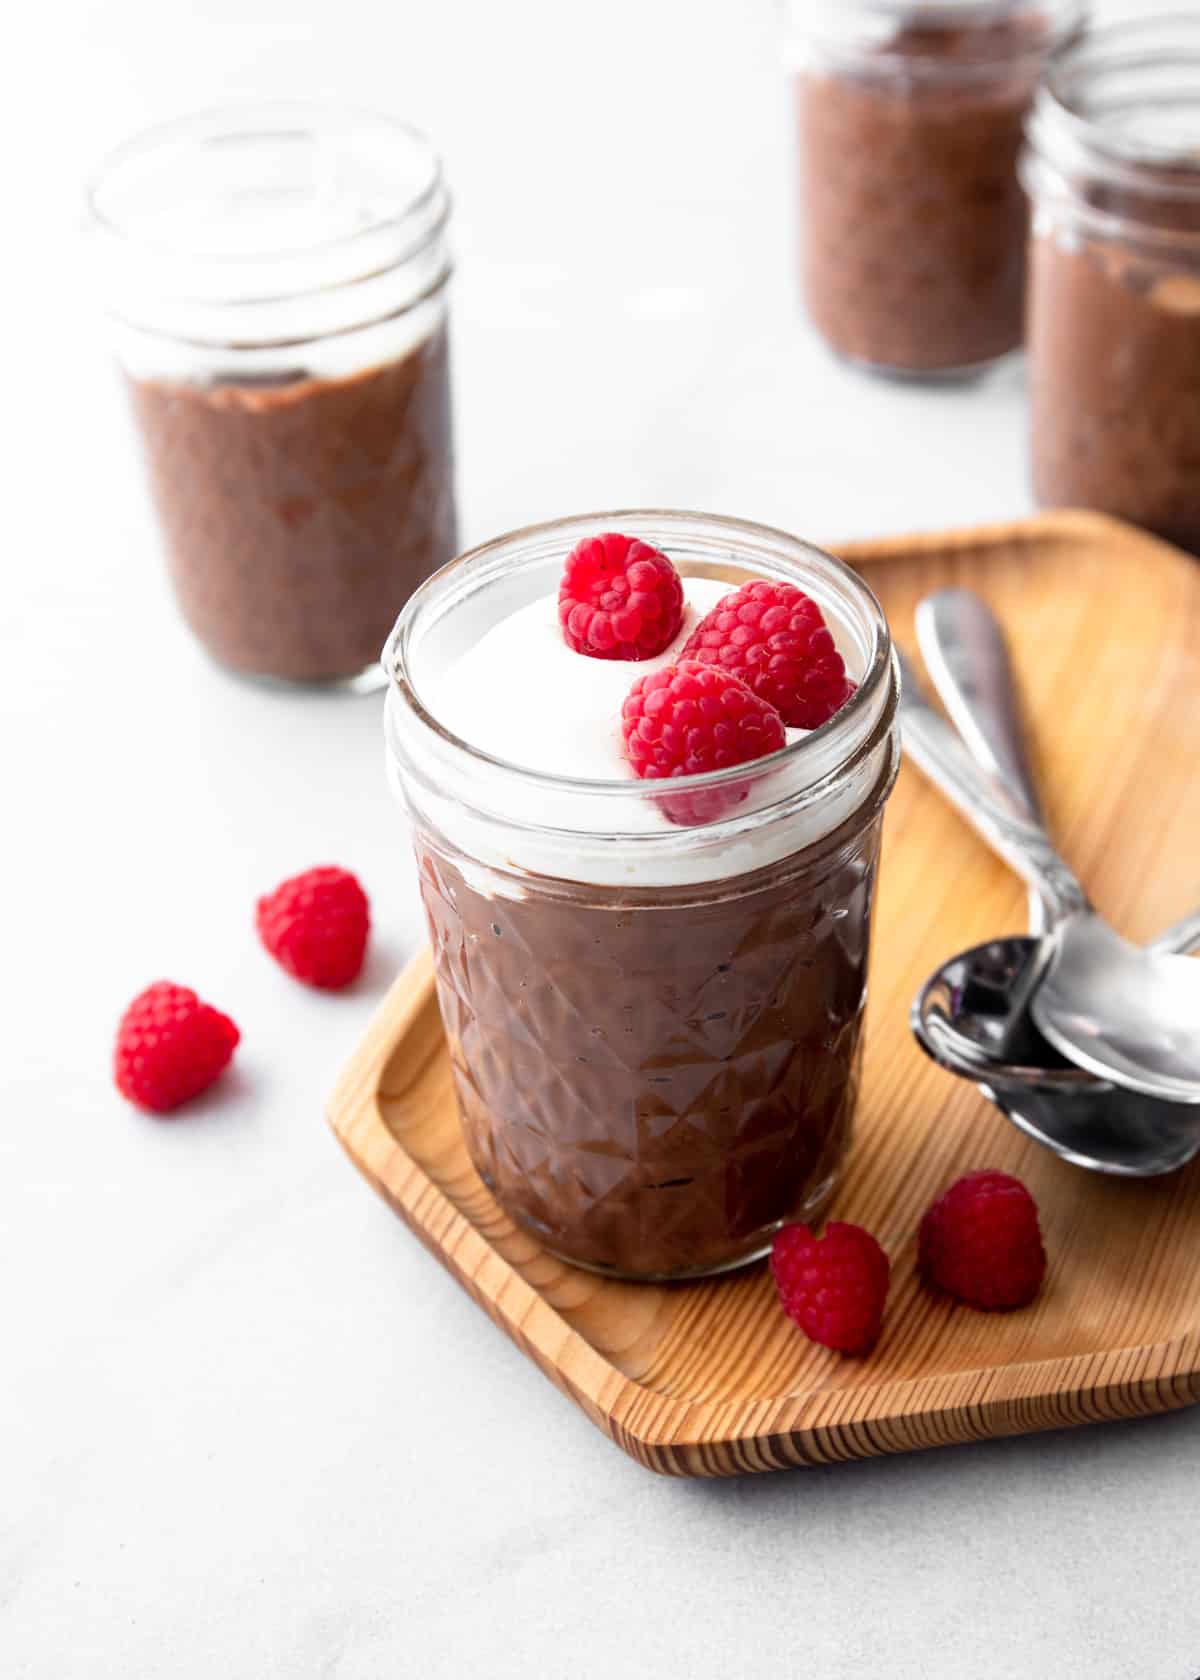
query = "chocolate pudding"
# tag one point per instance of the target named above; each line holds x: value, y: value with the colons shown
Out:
x: 1115, y: 377
x: 300, y: 512
x: 1113, y: 172
x: 913, y: 219
x: 652, y: 1080
x: 1114, y: 324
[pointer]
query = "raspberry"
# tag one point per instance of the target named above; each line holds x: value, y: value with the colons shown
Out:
x: 981, y: 1242
x: 774, y: 637
x: 619, y: 598
x: 834, y: 1287
x: 315, y: 925
x: 170, y: 1047
x: 688, y: 718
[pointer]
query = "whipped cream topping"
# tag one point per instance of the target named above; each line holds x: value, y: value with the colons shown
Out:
x: 521, y: 694
x: 516, y: 691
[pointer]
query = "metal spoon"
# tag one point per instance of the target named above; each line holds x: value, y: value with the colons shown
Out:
x: 978, y: 999
x: 1126, y: 1014
x: 970, y: 1016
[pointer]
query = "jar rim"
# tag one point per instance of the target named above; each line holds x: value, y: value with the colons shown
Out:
x: 862, y: 25
x: 220, y: 123
x: 1065, y: 135
x: 488, y: 558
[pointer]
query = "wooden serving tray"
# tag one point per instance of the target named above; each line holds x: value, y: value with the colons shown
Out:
x: 710, y: 1379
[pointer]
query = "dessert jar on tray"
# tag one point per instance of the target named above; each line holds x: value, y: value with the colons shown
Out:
x: 912, y: 221
x: 653, y: 1019
x: 1113, y: 170
x: 276, y: 278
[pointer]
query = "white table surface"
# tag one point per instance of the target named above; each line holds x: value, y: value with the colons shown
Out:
x: 249, y: 1428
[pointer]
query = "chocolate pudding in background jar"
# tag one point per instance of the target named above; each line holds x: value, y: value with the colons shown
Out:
x: 653, y: 1002
x: 1113, y: 170
x: 276, y: 278
x: 911, y: 217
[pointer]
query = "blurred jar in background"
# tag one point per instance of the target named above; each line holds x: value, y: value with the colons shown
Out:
x: 912, y: 220
x: 276, y: 276
x: 1113, y: 169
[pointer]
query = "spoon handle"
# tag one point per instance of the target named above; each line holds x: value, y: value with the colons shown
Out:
x: 966, y: 655
x: 999, y: 815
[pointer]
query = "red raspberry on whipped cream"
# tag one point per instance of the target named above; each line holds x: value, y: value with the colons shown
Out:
x: 619, y: 598
x: 689, y: 719
x: 774, y: 637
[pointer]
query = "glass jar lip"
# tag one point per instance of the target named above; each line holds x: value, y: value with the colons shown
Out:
x: 869, y: 24
x: 427, y: 207
x: 489, y: 557
x: 1058, y: 130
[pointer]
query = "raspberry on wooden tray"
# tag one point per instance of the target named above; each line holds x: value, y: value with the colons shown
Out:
x: 834, y: 1287
x: 981, y: 1242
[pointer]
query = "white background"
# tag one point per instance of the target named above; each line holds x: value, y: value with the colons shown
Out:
x: 247, y: 1426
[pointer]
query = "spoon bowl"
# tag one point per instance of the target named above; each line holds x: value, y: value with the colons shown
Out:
x: 1121, y: 1012
x: 1145, y: 1139
x: 971, y: 1017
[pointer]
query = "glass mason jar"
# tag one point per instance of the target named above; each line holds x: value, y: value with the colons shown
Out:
x: 912, y: 220
x: 654, y: 1027
x: 1113, y: 170
x: 276, y: 277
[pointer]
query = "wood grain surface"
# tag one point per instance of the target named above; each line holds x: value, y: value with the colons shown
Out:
x: 710, y: 1379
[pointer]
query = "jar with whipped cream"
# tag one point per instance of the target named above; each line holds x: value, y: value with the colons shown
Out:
x: 1113, y: 171
x: 653, y: 1003
x: 276, y: 279
x: 912, y: 220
